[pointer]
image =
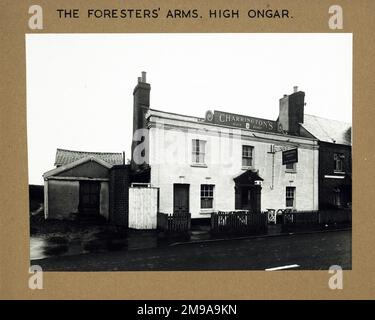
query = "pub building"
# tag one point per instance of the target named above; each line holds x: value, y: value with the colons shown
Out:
x: 222, y: 162
x: 226, y: 161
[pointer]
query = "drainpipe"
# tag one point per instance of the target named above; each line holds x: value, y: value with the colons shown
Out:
x: 272, y: 151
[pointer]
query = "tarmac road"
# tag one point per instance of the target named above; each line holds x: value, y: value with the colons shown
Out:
x: 314, y: 251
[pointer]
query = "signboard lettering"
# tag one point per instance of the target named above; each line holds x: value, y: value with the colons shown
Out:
x: 240, y: 121
x: 290, y: 156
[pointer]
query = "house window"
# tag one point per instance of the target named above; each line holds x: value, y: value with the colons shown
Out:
x: 199, y: 147
x: 207, y: 196
x: 290, y: 196
x: 337, y: 197
x: 247, y: 156
x: 291, y: 167
x: 338, y: 161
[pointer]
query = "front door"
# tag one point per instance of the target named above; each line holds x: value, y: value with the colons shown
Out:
x: 89, y: 197
x: 248, y: 198
x: 180, y: 198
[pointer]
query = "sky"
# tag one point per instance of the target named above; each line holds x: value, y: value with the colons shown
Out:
x: 80, y: 86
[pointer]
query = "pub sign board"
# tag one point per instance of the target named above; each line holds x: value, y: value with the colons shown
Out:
x: 241, y: 121
x: 290, y: 156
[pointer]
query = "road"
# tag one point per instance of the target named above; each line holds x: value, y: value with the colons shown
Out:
x: 316, y: 251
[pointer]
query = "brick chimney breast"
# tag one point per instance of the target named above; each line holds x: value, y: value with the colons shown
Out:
x: 141, y: 104
x: 291, y: 111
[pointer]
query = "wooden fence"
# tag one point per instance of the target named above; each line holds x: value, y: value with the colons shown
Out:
x: 177, y: 222
x: 318, y: 217
x: 238, y: 222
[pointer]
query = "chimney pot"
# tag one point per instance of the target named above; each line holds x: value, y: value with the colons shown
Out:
x: 144, y: 76
x: 295, y: 88
x: 285, y: 95
x: 139, y: 79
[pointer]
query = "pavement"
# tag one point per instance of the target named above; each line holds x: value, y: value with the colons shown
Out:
x: 316, y: 250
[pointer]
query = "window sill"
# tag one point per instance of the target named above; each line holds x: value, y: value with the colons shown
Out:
x: 198, y: 165
x: 247, y: 168
x: 290, y: 171
x: 339, y: 172
x: 206, y: 211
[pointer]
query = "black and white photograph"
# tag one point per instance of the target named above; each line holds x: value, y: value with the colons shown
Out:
x: 190, y: 151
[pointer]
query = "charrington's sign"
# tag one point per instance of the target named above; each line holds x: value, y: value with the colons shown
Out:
x: 245, y: 122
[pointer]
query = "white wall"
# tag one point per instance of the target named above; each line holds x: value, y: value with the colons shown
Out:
x: 171, y: 164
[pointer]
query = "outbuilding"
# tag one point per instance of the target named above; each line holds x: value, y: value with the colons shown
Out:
x: 85, y: 184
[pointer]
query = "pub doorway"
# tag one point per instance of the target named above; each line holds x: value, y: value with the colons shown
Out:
x: 248, y: 191
x: 249, y: 198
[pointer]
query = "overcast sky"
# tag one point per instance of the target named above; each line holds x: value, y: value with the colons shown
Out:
x: 80, y: 86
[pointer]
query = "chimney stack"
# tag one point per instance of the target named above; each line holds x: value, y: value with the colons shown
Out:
x: 144, y: 76
x: 141, y: 104
x: 291, y: 111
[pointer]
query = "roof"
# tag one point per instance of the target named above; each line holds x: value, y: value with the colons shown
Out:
x: 64, y: 157
x: 76, y: 163
x: 247, y: 178
x: 328, y: 130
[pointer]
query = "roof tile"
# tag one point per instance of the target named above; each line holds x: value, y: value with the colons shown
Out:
x: 64, y: 157
x: 328, y: 130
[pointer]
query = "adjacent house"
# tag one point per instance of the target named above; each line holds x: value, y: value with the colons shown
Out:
x: 335, y: 160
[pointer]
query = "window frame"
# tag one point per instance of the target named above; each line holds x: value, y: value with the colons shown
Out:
x: 293, y: 169
x: 207, y: 194
x: 293, y: 197
x: 196, y: 152
x: 338, y: 159
x: 247, y: 157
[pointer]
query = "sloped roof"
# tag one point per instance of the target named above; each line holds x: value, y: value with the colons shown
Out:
x: 64, y: 157
x: 76, y: 163
x: 328, y: 130
x: 247, y: 178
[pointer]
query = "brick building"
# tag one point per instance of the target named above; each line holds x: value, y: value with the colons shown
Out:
x: 335, y: 160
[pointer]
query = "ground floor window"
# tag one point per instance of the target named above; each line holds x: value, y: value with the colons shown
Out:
x: 290, y: 196
x: 337, y: 197
x: 207, y: 196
